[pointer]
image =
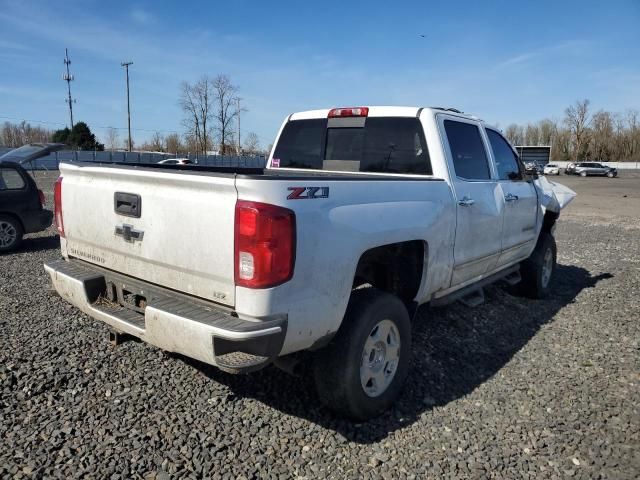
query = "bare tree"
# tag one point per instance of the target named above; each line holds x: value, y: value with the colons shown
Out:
x: 548, y: 130
x: 515, y: 134
x: 633, y: 126
x: 172, y: 143
x: 18, y: 134
x: 577, y: 119
x: 157, y: 142
x: 252, y: 143
x: 188, y: 101
x: 602, y: 137
x: 112, y: 139
x: 532, y: 134
x: 225, y: 109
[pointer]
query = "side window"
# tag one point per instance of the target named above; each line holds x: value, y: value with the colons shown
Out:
x: 10, y: 179
x: 506, y: 160
x: 469, y: 156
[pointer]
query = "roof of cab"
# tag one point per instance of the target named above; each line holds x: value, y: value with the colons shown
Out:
x: 382, y: 111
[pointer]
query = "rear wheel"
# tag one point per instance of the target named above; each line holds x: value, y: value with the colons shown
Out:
x: 537, y: 270
x: 10, y: 233
x: 361, y: 372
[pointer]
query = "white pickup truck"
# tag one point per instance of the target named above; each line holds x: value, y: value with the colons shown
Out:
x: 361, y: 215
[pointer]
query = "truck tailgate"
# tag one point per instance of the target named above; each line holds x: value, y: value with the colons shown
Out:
x: 180, y: 236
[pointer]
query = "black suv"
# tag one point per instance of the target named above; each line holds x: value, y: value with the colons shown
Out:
x: 21, y: 203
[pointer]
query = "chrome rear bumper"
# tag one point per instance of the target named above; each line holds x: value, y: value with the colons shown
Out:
x: 167, y: 319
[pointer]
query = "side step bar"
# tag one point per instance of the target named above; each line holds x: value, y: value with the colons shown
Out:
x: 472, y: 295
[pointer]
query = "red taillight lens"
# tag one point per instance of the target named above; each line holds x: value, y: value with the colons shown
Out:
x: 43, y: 201
x: 265, y: 244
x: 57, y: 206
x: 349, y: 112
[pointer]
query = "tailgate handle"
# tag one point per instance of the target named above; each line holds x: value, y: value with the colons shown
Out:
x: 127, y: 204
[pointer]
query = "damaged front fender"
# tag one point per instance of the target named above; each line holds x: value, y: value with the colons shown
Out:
x: 553, y: 196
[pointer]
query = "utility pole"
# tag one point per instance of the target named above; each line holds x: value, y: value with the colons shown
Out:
x: 238, y: 100
x: 126, y: 67
x: 67, y: 77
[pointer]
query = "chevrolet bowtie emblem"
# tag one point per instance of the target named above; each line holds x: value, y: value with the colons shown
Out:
x: 129, y: 233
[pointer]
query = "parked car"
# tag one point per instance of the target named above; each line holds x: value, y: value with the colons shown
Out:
x: 551, y: 169
x: 22, y: 206
x: 570, y: 169
x: 361, y: 215
x: 591, y: 168
x: 175, y: 161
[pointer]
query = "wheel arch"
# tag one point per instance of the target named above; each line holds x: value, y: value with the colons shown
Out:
x: 398, y: 268
x: 14, y: 216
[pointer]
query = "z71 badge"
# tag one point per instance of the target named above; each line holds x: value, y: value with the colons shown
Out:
x: 306, y: 193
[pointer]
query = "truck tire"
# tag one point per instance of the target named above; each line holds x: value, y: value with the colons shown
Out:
x: 361, y: 372
x: 537, y: 270
x: 10, y: 233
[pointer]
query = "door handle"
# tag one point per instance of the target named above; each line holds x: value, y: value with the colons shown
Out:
x: 509, y: 197
x: 466, y: 201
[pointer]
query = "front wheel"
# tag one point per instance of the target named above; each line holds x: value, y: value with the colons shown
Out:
x: 610, y: 174
x: 537, y: 270
x: 583, y: 174
x: 361, y: 372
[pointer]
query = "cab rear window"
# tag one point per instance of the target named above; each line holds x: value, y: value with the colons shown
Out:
x: 381, y: 144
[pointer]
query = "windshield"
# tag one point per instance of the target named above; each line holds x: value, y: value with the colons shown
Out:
x: 380, y: 144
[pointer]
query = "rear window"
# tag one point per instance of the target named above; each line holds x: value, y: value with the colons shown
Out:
x: 383, y: 144
x: 10, y: 179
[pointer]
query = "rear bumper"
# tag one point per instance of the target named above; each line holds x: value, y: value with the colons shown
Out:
x: 170, y: 320
x: 38, y: 221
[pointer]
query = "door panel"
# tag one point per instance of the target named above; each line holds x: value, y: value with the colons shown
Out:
x: 478, y: 229
x: 479, y: 199
x: 520, y: 214
x: 520, y: 198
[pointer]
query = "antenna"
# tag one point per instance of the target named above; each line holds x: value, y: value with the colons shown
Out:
x: 67, y: 77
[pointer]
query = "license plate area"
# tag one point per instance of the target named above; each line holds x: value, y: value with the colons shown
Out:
x: 127, y: 295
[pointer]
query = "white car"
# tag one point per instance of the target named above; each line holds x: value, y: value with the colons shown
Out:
x: 551, y: 169
x: 362, y: 215
x: 175, y: 161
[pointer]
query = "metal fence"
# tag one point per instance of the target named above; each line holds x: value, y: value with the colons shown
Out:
x: 52, y: 161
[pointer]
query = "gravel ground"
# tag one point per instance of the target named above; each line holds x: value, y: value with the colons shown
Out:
x: 514, y: 388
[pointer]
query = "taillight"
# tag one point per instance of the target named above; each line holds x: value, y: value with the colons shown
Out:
x: 43, y: 201
x: 57, y: 206
x: 349, y: 112
x: 265, y: 244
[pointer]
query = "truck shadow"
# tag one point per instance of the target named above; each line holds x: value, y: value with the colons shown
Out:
x: 455, y: 350
x: 36, y: 244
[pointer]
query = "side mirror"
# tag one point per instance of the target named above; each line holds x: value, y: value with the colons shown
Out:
x: 514, y: 176
x: 531, y: 172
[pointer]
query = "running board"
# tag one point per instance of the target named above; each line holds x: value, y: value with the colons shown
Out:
x: 473, y: 298
x: 514, y: 278
x: 508, y: 274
